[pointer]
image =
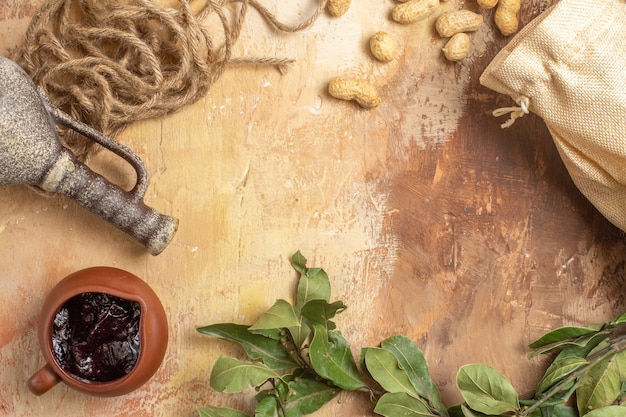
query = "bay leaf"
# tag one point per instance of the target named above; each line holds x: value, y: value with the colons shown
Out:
x: 558, y: 370
x: 257, y: 346
x: 411, y: 359
x: 300, y: 333
x: 563, y: 411
x: 400, y: 404
x: 281, y: 315
x: 618, y: 320
x: 232, y: 375
x: 306, y: 396
x: 601, y: 386
x: 610, y: 411
x: 332, y: 359
x: 322, y: 312
x: 382, y: 365
x: 298, y: 261
x: 564, y: 333
x: 313, y: 284
x: 268, y: 406
x: 580, y: 346
x: 486, y: 391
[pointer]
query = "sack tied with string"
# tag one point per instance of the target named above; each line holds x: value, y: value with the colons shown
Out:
x: 568, y: 66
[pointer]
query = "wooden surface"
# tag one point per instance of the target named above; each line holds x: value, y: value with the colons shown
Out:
x: 430, y: 220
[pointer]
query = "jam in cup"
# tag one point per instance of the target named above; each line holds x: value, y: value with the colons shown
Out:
x: 102, y: 331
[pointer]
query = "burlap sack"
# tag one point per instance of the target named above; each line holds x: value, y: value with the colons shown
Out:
x: 568, y: 66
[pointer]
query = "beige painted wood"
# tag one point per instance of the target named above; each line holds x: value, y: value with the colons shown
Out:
x: 430, y: 220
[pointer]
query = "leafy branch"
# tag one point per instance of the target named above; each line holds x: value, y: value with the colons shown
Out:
x: 298, y: 361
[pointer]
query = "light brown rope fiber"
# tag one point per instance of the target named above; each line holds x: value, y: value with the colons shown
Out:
x: 109, y: 63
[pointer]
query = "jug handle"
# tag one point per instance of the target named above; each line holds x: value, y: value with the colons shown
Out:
x: 64, y: 119
x: 43, y: 380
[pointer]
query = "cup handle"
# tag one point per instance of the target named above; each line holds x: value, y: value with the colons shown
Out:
x: 43, y: 380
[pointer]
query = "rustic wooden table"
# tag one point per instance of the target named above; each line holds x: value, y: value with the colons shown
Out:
x: 430, y: 219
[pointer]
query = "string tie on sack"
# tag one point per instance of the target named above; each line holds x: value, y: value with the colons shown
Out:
x: 516, y: 111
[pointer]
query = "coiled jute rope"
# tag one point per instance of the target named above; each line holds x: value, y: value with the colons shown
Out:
x: 109, y: 63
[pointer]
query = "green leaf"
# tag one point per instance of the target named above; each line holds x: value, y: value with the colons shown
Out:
x: 211, y: 411
x: 580, y: 346
x: 281, y: 315
x: 232, y: 375
x: 601, y: 386
x: 332, y: 359
x: 552, y: 411
x: 299, y: 262
x: 383, y: 366
x: 257, y: 346
x: 486, y: 391
x: 262, y: 393
x: 313, y: 285
x: 321, y: 312
x: 561, y: 397
x: 268, y: 406
x: 307, y: 396
x: 411, y: 359
x: 461, y: 410
x: 362, y: 365
x: 455, y: 411
x: 400, y: 404
x: 300, y: 334
x: 471, y: 413
x: 564, y: 333
x: 558, y: 370
x: 619, y: 320
x: 622, y: 390
x: 610, y: 411
x: 603, y: 346
x: 279, y: 387
x: 563, y: 411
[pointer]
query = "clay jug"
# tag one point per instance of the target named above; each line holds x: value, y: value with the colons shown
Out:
x: 31, y: 153
x: 57, y: 340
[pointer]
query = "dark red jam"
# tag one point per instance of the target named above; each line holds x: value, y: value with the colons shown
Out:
x: 95, y: 336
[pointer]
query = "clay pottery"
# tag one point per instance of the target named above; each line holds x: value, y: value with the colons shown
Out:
x: 31, y: 153
x: 151, y: 332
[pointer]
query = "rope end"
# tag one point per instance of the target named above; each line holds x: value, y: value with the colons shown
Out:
x: 516, y: 111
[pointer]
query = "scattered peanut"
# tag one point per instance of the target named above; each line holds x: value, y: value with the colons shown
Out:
x: 413, y: 10
x: 361, y: 91
x: 506, y: 16
x: 457, y: 47
x: 338, y: 7
x: 487, y: 4
x: 383, y: 46
x: 458, y: 21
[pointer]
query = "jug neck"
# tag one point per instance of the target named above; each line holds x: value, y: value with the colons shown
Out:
x: 69, y: 177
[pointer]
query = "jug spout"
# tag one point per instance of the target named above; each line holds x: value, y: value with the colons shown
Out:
x: 31, y: 153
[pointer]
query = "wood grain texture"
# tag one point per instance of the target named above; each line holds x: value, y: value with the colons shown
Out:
x: 430, y: 219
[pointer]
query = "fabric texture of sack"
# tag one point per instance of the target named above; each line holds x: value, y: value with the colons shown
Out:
x: 568, y: 66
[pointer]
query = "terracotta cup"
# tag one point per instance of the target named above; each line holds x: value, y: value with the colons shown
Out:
x: 152, y: 329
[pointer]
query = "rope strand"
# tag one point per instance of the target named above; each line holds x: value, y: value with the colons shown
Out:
x: 109, y: 63
x: 516, y: 112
